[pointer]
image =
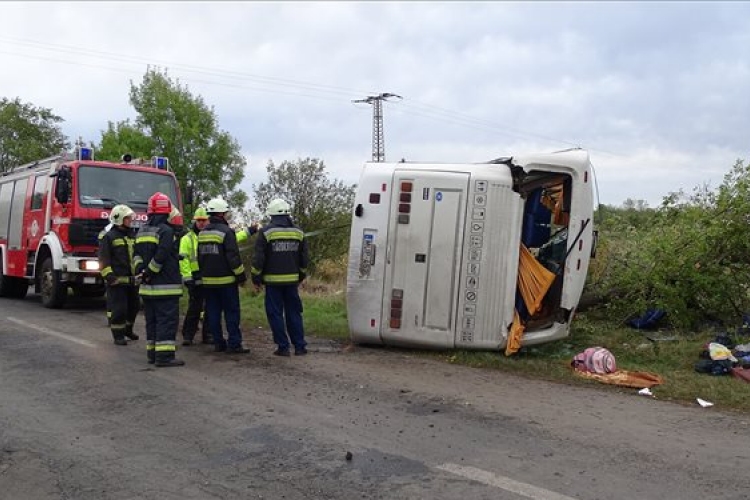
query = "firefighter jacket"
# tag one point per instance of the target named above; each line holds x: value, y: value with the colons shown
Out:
x: 104, y: 232
x: 219, y: 258
x: 281, y: 256
x: 116, y: 256
x: 189, y: 257
x: 189, y: 254
x: 157, y: 257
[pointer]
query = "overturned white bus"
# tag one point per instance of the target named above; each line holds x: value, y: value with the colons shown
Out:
x: 477, y: 256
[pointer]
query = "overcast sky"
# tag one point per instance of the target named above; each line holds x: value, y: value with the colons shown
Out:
x: 659, y: 93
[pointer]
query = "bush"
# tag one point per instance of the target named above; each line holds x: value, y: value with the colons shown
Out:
x: 690, y: 256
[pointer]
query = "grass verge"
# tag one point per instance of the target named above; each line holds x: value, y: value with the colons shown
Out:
x: 325, y: 317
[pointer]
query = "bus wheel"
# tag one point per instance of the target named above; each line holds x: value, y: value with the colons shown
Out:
x: 54, y: 292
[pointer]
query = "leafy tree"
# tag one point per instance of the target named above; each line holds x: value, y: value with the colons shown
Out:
x: 28, y: 133
x: 318, y: 203
x: 172, y: 122
x: 124, y: 137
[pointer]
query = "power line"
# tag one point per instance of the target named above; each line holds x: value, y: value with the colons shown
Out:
x: 282, y: 86
x: 378, y: 140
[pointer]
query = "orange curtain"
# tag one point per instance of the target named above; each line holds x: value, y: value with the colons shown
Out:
x: 552, y: 199
x: 534, y: 281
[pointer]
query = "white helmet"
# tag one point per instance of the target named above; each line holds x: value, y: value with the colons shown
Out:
x: 119, y: 213
x: 278, y: 207
x: 217, y: 206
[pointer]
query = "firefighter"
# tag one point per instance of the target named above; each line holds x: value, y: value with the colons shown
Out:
x: 192, y: 279
x: 280, y: 262
x: 221, y: 271
x: 157, y: 263
x: 115, y: 262
x: 177, y: 222
x: 101, y: 235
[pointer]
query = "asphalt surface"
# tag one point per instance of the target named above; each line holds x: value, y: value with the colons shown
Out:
x: 81, y: 418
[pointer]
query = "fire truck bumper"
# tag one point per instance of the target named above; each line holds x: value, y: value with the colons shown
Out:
x: 81, y: 271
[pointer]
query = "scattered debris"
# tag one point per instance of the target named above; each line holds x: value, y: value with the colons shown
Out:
x: 649, y: 320
x: 349, y: 456
x: 646, y: 392
x: 704, y: 403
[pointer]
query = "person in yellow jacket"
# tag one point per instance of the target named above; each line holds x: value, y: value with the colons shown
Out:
x: 191, y: 277
x: 192, y: 280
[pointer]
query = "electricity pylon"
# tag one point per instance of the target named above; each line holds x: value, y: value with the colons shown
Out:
x: 378, y: 141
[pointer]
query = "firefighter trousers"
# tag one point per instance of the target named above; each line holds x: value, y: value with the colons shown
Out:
x: 194, y: 315
x: 226, y: 300
x: 123, y: 303
x: 162, y: 319
x: 284, y: 313
x: 109, y: 306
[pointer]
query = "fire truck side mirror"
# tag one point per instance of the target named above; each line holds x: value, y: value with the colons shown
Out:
x: 62, y: 186
x: 189, y: 195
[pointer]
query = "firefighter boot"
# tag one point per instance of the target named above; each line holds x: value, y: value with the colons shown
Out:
x: 129, y: 333
x: 164, y: 363
x: 119, y: 336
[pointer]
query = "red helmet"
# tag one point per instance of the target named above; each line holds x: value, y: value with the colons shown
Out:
x: 159, y: 203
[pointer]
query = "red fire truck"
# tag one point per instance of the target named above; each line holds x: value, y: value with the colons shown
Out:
x: 52, y: 210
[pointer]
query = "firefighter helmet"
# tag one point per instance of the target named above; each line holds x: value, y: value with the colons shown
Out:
x: 200, y: 214
x: 159, y: 203
x: 119, y: 213
x: 278, y: 207
x: 217, y: 206
x: 175, y: 217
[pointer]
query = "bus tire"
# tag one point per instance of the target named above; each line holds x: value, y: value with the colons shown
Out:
x: 53, y: 291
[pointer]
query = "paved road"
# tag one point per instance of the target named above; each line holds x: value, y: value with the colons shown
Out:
x: 81, y: 418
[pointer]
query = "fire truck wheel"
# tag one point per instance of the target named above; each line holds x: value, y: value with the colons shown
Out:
x: 20, y: 288
x: 54, y: 292
x: 6, y: 283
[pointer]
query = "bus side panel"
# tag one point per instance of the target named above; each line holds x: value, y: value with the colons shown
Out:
x: 367, y: 252
x: 490, y: 265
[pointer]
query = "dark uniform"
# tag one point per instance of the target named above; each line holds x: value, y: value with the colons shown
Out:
x: 99, y: 238
x: 280, y: 262
x: 192, y: 279
x: 221, y: 271
x: 115, y: 261
x: 156, y: 256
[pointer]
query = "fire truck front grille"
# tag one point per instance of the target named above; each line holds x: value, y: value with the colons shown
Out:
x: 86, y: 231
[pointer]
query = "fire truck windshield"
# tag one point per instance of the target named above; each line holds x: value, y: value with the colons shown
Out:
x: 102, y: 187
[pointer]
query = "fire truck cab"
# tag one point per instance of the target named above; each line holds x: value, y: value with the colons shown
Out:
x: 51, y: 213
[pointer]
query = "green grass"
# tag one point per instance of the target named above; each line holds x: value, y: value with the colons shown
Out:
x: 325, y: 317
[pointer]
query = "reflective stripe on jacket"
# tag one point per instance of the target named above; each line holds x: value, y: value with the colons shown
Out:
x: 189, y: 254
x: 116, y: 253
x: 156, y: 254
x: 281, y: 253
x: 219, y: 258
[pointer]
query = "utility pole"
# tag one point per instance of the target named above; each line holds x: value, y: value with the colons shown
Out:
x: 378, y: 142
